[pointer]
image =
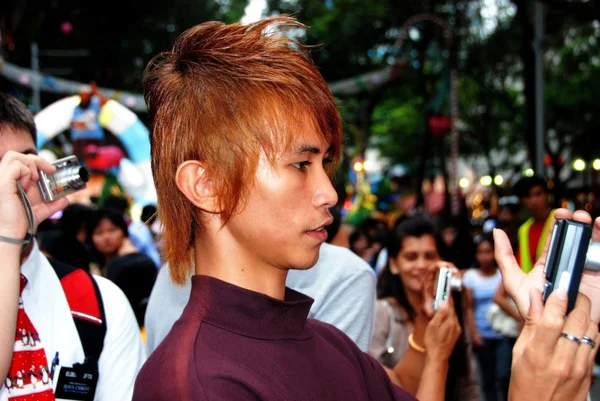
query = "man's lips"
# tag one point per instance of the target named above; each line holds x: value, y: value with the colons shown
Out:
x: 319, y: 232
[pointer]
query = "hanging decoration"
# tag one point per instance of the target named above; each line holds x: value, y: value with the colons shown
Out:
x: 86, y: 116
x: 439, y: 125
x: 346, y: 87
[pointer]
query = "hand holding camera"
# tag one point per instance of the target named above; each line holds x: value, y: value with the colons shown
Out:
x: 20, y: 170
x: 554, y: 354
x: 566, y: 263
x: 442, y: 333
x: 442, y: 330
x: 446, y: 281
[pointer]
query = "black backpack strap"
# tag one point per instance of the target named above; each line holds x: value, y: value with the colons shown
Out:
x: 87, y: 308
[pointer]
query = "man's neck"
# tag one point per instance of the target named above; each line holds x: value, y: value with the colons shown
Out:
x: 237, y: 266
x: 542, y: 216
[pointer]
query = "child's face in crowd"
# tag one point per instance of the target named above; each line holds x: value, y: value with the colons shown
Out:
x: 416, y: 255
x: 282, y: 221
x: 107, y: 237
x: 485, y: 254
x: 20, y: 141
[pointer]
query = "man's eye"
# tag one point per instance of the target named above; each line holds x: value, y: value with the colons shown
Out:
x: 301, y: 165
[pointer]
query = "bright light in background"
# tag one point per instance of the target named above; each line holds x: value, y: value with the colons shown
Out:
x: 463, y: 183
x: 528, y: 173
x: 491, y: 13
x: 254, y: 11
x: 578, y: 165
x: 596, y: 164
x: 367, y: 165
x: 486, y: 180
x: 358, y: 166
x: 498, y: 180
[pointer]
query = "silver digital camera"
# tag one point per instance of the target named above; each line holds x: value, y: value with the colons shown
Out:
x: 445, y: 282
x: 69, y: 177
x: 570, y: 252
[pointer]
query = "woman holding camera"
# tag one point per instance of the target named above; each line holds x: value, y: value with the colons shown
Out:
x: 405, y: 309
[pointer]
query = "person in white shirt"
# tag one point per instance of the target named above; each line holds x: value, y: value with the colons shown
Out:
x: 43, y: 299
x: 342, y: 285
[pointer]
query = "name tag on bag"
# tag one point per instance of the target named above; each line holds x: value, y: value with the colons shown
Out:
x: 77, y: 383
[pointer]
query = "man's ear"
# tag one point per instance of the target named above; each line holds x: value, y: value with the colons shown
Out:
x: 194, y: 182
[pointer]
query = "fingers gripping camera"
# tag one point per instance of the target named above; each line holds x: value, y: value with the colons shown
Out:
x: 69, y: 177
x: 445, y: 282
x: 571, y: 251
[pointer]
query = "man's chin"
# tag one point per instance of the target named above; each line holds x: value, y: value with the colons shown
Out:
x: 307, y: 263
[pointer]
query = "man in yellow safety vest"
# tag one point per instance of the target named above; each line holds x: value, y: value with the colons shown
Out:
x: 533, y: 193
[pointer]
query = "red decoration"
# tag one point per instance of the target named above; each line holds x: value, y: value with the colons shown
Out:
x: 102, y: 158
x: 548, y: 160
x: 440, y: 125
x: 66, y: 27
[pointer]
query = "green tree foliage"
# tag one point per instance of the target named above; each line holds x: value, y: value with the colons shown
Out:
x: 495, y: 68
x: 573, y: 82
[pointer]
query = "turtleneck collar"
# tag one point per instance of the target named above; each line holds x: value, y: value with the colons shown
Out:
x: 250, y: 313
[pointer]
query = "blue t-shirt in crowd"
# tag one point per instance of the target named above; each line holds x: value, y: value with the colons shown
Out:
x: 483, y: 289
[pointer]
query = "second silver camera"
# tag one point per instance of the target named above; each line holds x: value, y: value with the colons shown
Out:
x: 445, y: 282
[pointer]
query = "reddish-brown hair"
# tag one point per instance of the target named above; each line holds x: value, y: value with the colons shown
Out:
x: 224, y: 95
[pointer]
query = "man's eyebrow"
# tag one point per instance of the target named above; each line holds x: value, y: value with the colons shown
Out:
x: 311, y: 149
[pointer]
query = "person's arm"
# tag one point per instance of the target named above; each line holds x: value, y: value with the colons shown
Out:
x: 9, y: 299
x: 439, y: 338
x: 409, y: 370
x: 123, y: 353
x: 470, y: 317
x: 13, y: 225
x: 441, y: 335
x: 501, y: 299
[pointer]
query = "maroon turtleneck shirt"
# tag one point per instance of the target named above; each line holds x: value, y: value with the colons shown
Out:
x: 234, y: 344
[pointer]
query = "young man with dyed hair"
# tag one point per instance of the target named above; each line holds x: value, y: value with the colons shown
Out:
x: 245, y: 134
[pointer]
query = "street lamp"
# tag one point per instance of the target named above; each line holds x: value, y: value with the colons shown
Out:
x: 486, y: 180
x: 578, y: 165
x: 498, y: 180
x: 463, y: 183
x: 528, y: 173
x: 596, y: 164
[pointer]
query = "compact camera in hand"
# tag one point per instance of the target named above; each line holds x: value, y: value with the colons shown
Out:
x: 571, y: 251
x: 69, y: 177
x: 445, y: 282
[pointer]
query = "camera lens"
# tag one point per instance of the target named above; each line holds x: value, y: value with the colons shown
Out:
x: 456, y: 283
x: 592, y: 262
x: 74, y: 177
